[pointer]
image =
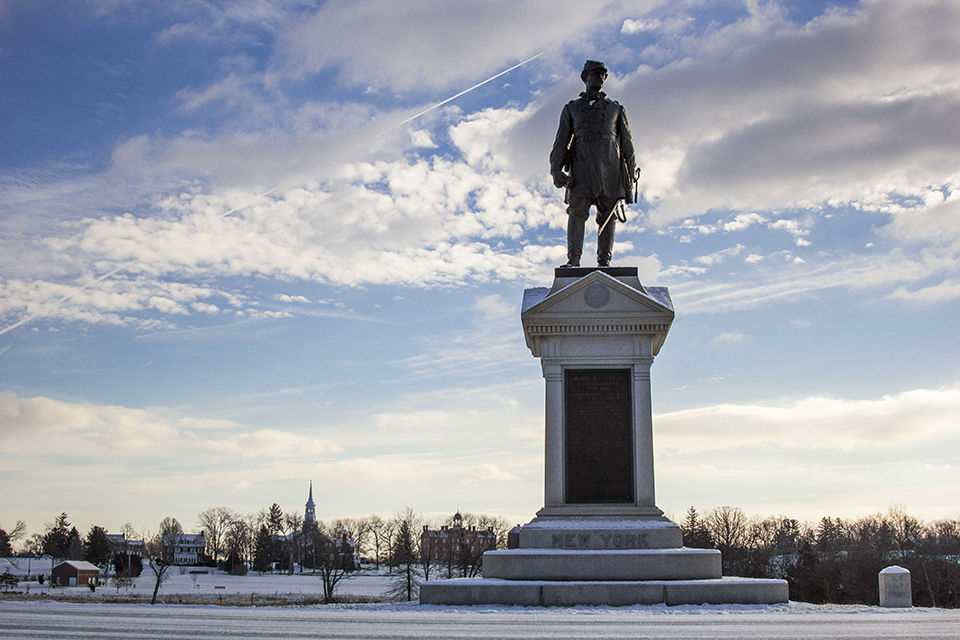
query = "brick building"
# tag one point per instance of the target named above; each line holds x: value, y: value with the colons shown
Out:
x: 457, y: 547
x: 75, y: 573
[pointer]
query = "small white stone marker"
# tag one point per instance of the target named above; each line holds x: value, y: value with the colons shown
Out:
x: 895, y: 587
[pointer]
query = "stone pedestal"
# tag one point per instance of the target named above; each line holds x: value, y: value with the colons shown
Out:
x: 895, y: 588
x: 600, y: 537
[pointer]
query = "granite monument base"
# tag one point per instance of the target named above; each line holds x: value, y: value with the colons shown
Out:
x: 575, y: 572
x: 556, y: 593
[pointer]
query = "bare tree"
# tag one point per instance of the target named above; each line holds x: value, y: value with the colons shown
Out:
x: 728, y: 528
x: 33, y: 546
x: 498, y: 524
x: 8, y: 538
x: 362, y: 535
x: 906, y: 528
x: 380, y: 532
x: 237, y: 547
x: 161, y: 550
x: 356, y: 529
x: 429, y: 551
x: 19, y: 530
x: 128, y: 532
x: 332, y: 556
x: 293, y: 522
x: 214, y: 524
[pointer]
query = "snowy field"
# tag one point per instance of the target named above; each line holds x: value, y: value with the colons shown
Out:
x: 46, y: 619
x: 180, y: 582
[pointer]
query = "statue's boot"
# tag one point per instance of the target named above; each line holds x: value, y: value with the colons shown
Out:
x: 575, y: 226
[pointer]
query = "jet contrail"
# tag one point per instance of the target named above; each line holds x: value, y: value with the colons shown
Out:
x: 61, y: 300
x: 244, y: 206
x: 440, y: 104
x: 266, y: 193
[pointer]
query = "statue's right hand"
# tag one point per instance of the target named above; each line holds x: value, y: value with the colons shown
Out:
x: 561, y: 180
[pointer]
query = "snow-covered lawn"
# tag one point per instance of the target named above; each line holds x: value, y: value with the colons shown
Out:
x: 45, y: 619
x: 179, y: 581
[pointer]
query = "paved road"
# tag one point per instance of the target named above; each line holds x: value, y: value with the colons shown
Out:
x: 58, y: 620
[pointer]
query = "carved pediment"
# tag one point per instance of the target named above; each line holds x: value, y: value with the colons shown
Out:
x: 597, y: 304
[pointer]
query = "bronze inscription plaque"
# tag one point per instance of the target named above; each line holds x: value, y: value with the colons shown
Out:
x: 598, y: 423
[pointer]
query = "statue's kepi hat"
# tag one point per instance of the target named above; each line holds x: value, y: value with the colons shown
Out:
x: 590, y: 65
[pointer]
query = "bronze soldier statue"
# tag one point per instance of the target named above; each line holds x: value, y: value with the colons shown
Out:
x: 593, y: 159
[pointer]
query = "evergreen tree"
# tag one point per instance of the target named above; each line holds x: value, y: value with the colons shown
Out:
x: 263, y: 545
x: 275, y: 519
x: 407, y: 584
x: 96, y: 548
x: 695, y: 532
x: 127, y: 565
x: 275, y: 526
x: 58, y: 540
x: 74, y: 544
x: 6, y: 550
x: 7, y: 538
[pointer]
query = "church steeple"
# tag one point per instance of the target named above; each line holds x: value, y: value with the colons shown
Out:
x: 310, y: 510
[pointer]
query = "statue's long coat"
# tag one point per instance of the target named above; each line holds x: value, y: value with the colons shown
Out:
x: 595, y: 146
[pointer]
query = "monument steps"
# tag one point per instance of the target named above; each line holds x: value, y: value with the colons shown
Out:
x: 616, y: 565
x: 567, y: 593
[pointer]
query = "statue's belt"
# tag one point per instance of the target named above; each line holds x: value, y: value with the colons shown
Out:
x: 589, y: 137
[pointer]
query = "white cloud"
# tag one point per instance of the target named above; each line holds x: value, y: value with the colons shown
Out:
x: 638, y: 26
x: 814, y: 457
x: 719, y: 256
x: 490, y: 472
x: 108, y: 428
x: 816, y: 423
x: 729, y: 337
x: 794, y: 228
x: 492, y: 344
x: 946, y: 290
x: 744, y: 220
x: 409, y: 45
x: 422, y: 139
x: 720, y: 128
x: 798, y: 280
x: 493, y: 308
x: 763, y: 114
x: 272, y: 443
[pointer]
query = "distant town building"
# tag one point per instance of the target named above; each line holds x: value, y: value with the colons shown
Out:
x: 189, y: 549
x: 310, y: 509
x: 75, y: 573
x: 120, y: 544
x: 456, y: 545
x: 313, y: 543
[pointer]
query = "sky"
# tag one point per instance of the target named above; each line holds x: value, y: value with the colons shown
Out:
x: 236, y: 256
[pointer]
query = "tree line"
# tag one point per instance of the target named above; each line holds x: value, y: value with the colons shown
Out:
x: 835, y: 560
x: 272, y: 540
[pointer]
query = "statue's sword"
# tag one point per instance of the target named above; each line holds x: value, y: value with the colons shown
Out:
x: 620, y: 210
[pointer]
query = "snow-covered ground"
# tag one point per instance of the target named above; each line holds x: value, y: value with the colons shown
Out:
x: 48, y: 619
x: 45, y: 619
x: 180, y: 581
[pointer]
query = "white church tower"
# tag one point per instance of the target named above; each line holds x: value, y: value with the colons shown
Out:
x: 310, y: 509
